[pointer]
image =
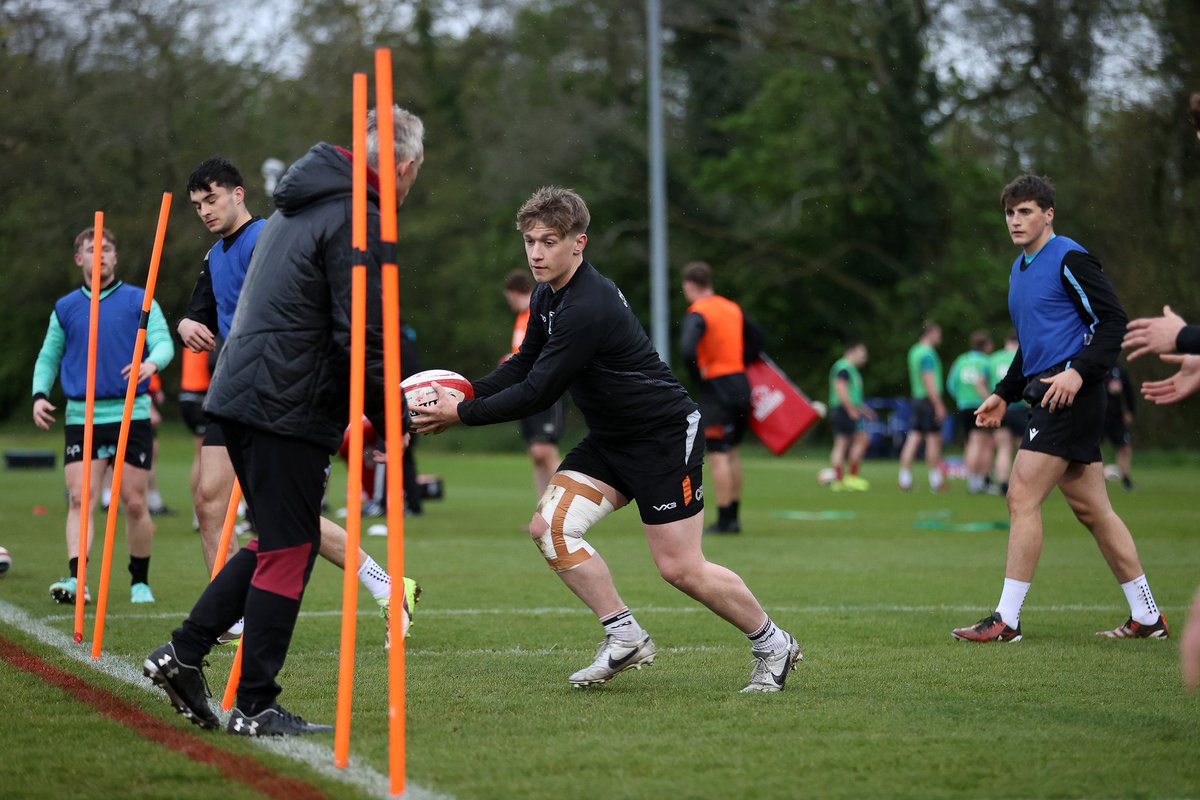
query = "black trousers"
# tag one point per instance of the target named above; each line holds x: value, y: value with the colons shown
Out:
x: 283, y: 480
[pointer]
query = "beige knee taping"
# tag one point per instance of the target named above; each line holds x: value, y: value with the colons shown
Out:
x: 570, y: 506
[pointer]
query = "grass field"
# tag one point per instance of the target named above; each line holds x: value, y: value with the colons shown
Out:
x: 885, y: 705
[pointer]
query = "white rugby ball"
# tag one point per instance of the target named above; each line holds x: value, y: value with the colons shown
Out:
x: 827, y: 476
x: 5, y: 562
x: 419, y: 391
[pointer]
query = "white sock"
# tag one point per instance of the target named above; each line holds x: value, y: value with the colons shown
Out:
x: 375, y: 578
x: 1141, y: 603
x: 106, y: 496
x: 906, y: 479
x: 1012, y: 597
x: 935, y: 478
x: 237, y: 627
x: 154, y: 499
x: 768, y: 638
x: 623, y: 626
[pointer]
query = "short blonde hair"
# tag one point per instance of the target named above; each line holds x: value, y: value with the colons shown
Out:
x: 559, y: 209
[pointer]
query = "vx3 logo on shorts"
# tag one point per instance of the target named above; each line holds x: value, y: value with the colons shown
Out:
x: 1033, y: 432
x: 666, y: 506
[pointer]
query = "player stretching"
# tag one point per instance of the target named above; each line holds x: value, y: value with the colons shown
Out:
x: 643, y: 443
x: 1069, y: 323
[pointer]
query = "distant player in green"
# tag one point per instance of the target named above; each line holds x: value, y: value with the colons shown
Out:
x: 1016, y: 417
x: 928, y: 411
x: 848, y: 414
x: 969, y: 381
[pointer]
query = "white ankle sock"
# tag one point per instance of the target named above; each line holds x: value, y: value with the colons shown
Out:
x: 373, y: 576
x: 768, y: 638
x: 905, y: 479
x: 1142, y: 607
x: 623, y: 626
x: 1012, y: 597
x: 935, y: 478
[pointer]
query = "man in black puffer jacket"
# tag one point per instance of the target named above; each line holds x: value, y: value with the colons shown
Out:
x: 281, y: 396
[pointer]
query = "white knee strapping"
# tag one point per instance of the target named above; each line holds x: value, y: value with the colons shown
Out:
x: 570, y: 505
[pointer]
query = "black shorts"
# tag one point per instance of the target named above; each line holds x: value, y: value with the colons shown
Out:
x: 843, y: 423
x: 213, y: 435
x: 545, y: 426
x: 1117, y: 432
x: 923, y: 418
x: 191, y: 407
x: 725, y: 411
x: 663, y: 472
x: 1016, y: 419
x: 139, y: 448
x: 966, y: 420
x: 1072, y: 433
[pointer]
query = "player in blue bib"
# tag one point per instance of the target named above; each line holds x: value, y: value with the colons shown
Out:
x: 1069, y: 324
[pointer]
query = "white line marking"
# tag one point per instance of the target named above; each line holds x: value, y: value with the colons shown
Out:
x: 316, y: 756
x: 426, y: 613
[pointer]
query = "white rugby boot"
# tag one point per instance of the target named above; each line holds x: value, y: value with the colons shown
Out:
x: 615, y: 655
x: 771, y: 667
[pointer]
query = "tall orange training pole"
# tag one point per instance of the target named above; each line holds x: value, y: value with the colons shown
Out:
x: 393, y: 411
x: 139, y: 345
x: 235, y: 676
x: 235, y: 498
x: 358, y: 341
x: 89, y: 416
x: 235, y: 670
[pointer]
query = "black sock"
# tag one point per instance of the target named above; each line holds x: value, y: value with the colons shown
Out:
x: 723, y: 516
x: 139, y: 568
x: 733, y: 510
x: 73, y: 566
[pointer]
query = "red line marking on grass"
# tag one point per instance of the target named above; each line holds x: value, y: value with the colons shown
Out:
x: 239, y: 768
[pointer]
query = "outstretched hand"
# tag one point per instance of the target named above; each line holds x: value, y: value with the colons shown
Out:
x: 1153, y: 334
x: 1175, y: 388
x: 436, y: 417
x: 990, y: 412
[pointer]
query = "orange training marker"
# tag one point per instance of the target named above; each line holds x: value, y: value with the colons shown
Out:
x: 139, y: 345
x: 358, y: 336
x: 390, y: 280
x: 89, y: 416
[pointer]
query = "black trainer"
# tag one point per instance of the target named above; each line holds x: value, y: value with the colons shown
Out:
x: 726, y: 527
x: 184, y: 684
x: 274, y: 721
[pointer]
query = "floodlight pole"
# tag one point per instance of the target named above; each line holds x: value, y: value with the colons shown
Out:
x: 659, y: 307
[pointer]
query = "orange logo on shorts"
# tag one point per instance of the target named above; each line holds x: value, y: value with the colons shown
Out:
x: 687, y: 490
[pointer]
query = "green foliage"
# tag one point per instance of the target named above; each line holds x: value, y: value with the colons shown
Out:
x: 837, y: 162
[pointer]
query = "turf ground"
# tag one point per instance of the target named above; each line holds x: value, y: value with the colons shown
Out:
x: 885, y: 704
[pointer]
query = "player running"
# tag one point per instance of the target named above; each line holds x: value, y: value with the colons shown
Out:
x: 644, y: 443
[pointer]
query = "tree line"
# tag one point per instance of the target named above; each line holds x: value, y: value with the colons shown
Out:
x: 838, y: 163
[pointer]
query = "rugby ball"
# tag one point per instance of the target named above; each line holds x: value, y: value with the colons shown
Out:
x: 419, y: 391
x: 5, y: 562
x: 827, y: 476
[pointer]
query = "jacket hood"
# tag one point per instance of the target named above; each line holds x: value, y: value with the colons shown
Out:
x: 321, y: 174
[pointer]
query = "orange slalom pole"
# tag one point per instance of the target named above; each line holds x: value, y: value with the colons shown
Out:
x: 160, y: 234
x: 397, y: 751
x: 235, y: 670
x: 89, y: 417
x: 358, y: 341
x: 235, y: 676
x: 235, y: 497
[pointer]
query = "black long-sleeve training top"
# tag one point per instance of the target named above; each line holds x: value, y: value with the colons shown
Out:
x: 583, y: 338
